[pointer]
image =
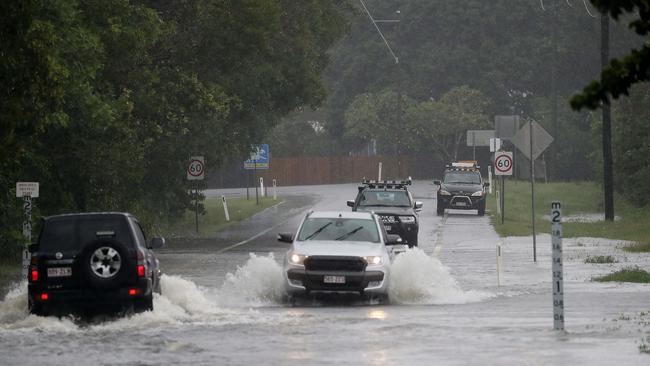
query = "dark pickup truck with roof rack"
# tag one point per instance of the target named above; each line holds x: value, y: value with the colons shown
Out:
x: 393, y: 204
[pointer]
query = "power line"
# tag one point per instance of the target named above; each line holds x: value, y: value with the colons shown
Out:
x: 374, y: 22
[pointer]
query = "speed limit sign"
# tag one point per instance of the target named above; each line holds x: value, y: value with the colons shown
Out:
x: 195, y: 171
x: 503, y: 163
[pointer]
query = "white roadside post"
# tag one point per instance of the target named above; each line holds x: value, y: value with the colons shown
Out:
x: 558, y: 277
x: 262, y: 186
x: 499, y: 264
x: 275, y: 190
x: 379, y: 174
x: 225, y: 207
x: 27, y: 190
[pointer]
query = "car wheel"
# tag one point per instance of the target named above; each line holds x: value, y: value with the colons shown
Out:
x: 106, y: 263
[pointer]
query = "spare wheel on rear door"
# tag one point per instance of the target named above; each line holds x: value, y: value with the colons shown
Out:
x: 106, y: 263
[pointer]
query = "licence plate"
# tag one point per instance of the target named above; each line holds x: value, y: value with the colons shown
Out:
x: 387, y: 227
x: 333, y: 279
x: 59, y: 272
x: 461, y: 204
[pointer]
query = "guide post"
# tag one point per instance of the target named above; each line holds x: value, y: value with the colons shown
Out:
x: 558, y: 277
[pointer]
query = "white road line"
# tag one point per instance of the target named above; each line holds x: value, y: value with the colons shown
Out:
x: 254, y: 236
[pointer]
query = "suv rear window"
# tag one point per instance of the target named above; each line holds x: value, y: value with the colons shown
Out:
x: 70, y: 233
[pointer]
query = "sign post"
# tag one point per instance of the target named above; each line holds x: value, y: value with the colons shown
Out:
x: 196, y: 171
x: 558, y: 277
x: 259, y: 159
x: 27, y: 190
x: 503, y: 165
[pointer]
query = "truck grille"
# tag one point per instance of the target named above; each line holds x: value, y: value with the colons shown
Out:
x: 331, y: 263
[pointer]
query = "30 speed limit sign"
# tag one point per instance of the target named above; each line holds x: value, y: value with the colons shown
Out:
x: 503, y: 163
x: 195, y: 171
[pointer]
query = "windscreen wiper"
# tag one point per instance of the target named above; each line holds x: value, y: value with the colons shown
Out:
x: 349, y: 233
x: 318, y: 231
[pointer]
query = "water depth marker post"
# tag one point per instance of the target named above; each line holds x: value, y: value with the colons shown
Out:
x: 558, y: 277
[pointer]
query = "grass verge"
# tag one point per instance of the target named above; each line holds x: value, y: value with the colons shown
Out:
x: 214, y: 219
x: 635, y: 274
x: 601, y: 259
x: 576, y: 198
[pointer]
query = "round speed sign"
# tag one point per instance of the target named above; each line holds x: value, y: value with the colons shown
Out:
x: 503, y: 163
x: 196, y: 169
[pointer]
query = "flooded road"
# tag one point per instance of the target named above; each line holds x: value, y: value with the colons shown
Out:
x: 221, y: 304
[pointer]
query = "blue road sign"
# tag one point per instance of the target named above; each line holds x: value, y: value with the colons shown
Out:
x: 259, y: 157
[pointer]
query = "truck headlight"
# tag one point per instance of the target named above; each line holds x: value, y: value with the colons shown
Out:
x: 444, y: 193
x: 477, y: 194
x: 373, y: 259
x: 296, y: 258
x: 407, y: 219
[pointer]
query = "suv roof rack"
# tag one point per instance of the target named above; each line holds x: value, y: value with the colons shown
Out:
x: 469, y: 165
x: 385, y: 184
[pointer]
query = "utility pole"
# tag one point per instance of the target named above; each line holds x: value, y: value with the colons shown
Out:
x: 608, y: 176
x: 554, y: 86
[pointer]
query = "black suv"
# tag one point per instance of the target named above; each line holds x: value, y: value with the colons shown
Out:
x: 393, y: 203
x: 92, y: 262
x: 461, y: 188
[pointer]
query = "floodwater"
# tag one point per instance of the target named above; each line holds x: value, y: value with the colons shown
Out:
x: 221, y: 303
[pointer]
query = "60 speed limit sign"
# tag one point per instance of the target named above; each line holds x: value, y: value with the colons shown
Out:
x: 503, y: 163
x: 195, y: 171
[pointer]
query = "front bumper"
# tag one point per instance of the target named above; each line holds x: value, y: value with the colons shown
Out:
x: 461, y: 202
x: 299, y: 280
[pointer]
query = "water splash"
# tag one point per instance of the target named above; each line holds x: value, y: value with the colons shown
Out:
x: 259, y: 282
x: 417, y: 278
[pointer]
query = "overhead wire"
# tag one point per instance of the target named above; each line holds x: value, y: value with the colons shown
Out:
x: 379, y: 31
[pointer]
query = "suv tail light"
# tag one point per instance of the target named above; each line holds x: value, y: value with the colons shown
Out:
x: 34, y: 276
x: 45, y: 296
x: 141, y: 270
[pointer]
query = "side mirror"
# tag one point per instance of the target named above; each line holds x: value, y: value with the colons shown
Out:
x: 418, y: 205
x: 436, y: 182
x: 32, y: 248
x: 486, y: 184
x: 285, y: 237
x: 350, y: 203
x: 393, y: 239
x: 157, y: 243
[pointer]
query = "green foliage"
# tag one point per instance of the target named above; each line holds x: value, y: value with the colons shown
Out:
x: 442, y: 124
x: 577, y: 198
x: 617, y: 77
x: 631, y: 145
x: 378, y: 117
x: 632, y: 274
x: 601, y: 259
x: 104, y: 101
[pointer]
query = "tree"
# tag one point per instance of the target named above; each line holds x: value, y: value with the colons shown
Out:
x: 443, y: 124
x: 378, y: 117
x: 617, y: 78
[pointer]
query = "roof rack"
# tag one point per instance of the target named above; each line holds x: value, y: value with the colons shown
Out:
x: 469, y: 165
x: 385, y: 184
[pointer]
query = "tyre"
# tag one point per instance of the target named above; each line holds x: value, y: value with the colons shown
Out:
x: 106, y: 263
x: 481, y: 208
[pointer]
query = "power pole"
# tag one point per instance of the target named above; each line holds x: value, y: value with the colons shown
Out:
x: 608, y: 176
